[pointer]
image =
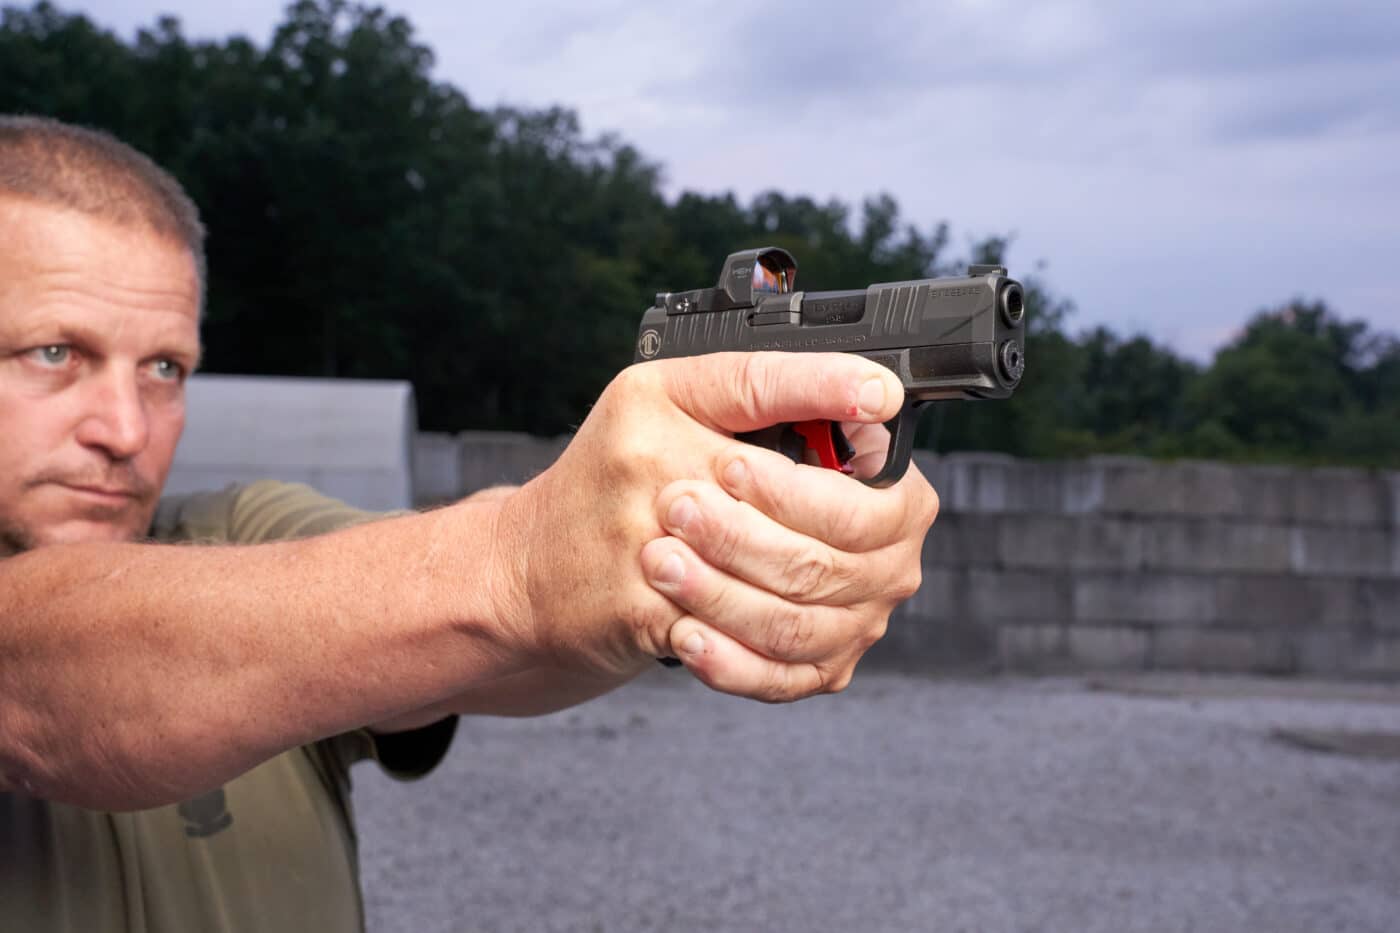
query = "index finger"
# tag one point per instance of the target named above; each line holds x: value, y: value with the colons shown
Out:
x: 737, y: 392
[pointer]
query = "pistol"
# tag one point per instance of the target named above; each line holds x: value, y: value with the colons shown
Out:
x: 956, y: 337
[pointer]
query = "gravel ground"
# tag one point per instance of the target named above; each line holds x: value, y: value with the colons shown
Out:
x: 905, y: 804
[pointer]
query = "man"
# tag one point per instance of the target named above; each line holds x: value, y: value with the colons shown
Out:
x: 176, y: 723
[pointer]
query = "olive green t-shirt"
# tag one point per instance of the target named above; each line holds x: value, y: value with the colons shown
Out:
x: 272, y: 850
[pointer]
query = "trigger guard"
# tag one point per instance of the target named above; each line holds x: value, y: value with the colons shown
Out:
x: 901, y: 427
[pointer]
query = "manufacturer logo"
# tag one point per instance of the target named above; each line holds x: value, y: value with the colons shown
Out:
x: 650, y: 344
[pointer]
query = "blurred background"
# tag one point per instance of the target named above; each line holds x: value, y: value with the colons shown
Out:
x: 482, y: 199
x: 1150, y: 681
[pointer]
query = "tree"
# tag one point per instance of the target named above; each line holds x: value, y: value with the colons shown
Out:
x: 1296, y: 381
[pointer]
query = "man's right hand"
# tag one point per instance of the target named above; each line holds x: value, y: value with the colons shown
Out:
x: 656, y: 533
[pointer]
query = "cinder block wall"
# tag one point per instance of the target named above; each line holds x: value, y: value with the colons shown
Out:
x: 1124, y: 563
x: 1112, y: 563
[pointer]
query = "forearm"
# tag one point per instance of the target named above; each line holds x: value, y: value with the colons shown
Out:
x: 535, y: 692
x: 122, y: 661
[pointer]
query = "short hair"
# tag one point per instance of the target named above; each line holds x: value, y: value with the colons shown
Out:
x: 94, y: 173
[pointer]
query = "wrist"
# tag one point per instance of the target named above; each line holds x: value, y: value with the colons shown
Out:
x: 497, y: 596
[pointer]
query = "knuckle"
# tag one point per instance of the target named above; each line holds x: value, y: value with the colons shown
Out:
x: 793, y: 631
x: 872, y: 633
x: 808, y: 572
x: 648, y: 621
x: 758, y: 380
x: 847, y: 521
x: 932, y: 506
x: 639, y: 380
x: 907, y: 583
x: 726, y: 542
x: 839, y: 682
x: 628, y: 458
x: 776, y: 687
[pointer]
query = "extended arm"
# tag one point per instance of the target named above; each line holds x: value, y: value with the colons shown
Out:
x: 135, y: 675
x: 122, y: 661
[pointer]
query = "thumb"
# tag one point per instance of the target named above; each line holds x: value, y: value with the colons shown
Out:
x: 736, y: 392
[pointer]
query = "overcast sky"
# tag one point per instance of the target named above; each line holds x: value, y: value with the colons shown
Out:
x: 1177, y: 166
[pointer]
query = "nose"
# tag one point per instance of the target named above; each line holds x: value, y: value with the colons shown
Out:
x: 116, y: 421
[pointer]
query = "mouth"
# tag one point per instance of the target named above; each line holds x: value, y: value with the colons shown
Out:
x: 107, y: 495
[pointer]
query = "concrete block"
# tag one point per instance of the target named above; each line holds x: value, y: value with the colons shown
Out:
x: 1134, y: 487
x: 492, y: 458
x: 1018, y: 596
x: 1342, y: 550
x: 975, y: 482
x: 1349, y: 653
x: 1380, y: 604
x: 996, y: 483
x: 1210, y: 489
x: 1029, y: 647
x: 1285, y: 600
x: 1215, y: 545
x: 1073, y: 487
x: 1325, y: 652
x: 914, y: 643
x: 1112, y: 647
x: 1175, y: 599
x: 1185, y: 488
x: 962, y: 539
x: 1266, y: 492
x: 1242, y: 651
x: 437, y: 474
x: 1343, y: 496
x: 1201, y: 488
x: 1378, y: 655
x: 1392, y: 484
x: 1084, y: 483
x: 349, y: 438
x: 1079, y: 542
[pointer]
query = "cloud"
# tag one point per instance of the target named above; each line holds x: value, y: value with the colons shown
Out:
x: 1253, y: 36
x: 1228, y: 72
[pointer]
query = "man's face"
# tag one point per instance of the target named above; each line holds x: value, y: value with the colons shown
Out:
x: 99, y: 326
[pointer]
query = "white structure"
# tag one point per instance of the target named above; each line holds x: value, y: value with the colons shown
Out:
x: 349, y: 438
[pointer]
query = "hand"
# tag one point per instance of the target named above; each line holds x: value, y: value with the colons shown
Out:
x: 790, y: 571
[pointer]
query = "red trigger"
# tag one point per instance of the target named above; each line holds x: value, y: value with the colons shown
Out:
x: 818, y: 436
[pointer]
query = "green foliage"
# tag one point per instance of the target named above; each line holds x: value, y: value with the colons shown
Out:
x: 1302, y: 384
x: 368, y: 221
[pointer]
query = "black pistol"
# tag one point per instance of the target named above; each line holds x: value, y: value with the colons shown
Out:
x: 958, y: 337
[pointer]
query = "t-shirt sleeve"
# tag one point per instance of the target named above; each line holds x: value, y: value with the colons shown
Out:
x: 275, y: 511
x: 254, y: 514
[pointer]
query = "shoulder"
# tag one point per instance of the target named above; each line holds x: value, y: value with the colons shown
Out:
x: 267, y: 510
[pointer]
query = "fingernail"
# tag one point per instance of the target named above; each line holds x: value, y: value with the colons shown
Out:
x: 680, y: 513
x: 735, y: 473
x: 671, y: 571
x: 872, y: 396
x: 692, y: 645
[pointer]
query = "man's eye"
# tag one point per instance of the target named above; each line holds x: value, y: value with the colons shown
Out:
x: 168, y: 369
x: 53, y: 355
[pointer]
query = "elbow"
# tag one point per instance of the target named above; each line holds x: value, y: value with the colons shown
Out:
x: 70, y: 767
